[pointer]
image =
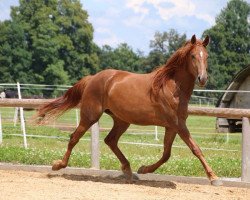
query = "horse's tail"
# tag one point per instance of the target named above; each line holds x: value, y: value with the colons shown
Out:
x: 60, y: 105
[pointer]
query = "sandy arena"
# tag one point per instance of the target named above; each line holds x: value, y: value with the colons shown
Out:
x: 21, y: 185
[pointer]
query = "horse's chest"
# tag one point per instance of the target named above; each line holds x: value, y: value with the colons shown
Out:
x: 166, y: 112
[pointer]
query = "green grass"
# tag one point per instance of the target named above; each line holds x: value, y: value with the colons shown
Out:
x: 182, y: 162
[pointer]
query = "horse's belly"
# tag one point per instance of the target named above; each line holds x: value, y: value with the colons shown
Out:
x: 140, y: 112
x: 135, y: 116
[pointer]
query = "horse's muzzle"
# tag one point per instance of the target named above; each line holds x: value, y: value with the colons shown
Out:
x: 202, y: 80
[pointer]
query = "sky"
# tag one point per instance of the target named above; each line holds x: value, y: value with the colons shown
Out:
x: 136, y: 21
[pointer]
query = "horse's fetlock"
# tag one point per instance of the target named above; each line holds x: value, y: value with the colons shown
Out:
x: 166, y: 157
x: 126, y: 166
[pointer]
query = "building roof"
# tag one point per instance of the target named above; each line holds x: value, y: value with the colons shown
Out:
x: 239, y: 78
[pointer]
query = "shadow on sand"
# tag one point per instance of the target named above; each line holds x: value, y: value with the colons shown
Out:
x: 115, y: 180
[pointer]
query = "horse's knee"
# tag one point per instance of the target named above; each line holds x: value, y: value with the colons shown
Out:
x: 196, y: 151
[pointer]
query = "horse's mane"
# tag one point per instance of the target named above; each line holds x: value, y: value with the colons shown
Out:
x: 168, y: 70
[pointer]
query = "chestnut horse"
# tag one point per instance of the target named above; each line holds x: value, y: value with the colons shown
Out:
x: 159, y: 98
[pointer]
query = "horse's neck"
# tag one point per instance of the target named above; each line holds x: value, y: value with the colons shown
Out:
x: 185, y: 83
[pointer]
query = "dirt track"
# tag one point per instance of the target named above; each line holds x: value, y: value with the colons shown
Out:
x: 18, y: 185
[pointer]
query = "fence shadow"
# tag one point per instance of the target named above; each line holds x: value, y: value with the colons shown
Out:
x: 115, y: 180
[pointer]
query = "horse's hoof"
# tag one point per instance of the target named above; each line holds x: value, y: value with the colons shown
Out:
x: 129, y: 181
x: 141, y: 170
x: 128, y: 176
x: 57, y: 165
x: 216, y: 182
x: 135, y: 177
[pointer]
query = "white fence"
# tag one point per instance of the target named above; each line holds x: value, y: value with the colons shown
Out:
x: 221, y: 112
x: 235, y: 113
x: 39, y: 88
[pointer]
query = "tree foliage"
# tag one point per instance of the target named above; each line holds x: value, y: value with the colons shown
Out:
x: 230, y: 43
x: 50, y: 41
x: 163, y: 46
x: 15, y: 58
x: 123, y: 57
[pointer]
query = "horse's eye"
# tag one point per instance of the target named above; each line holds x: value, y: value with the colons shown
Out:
x: 193, y: 56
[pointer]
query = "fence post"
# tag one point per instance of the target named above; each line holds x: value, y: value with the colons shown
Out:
x: 77, y: 118
x: 245, y: 171
x: 1, y: 130
x: 22, y: 118
x: 156, y: 133
x: 15, y: 116
x: 227, y: 137
x: 95, y: 153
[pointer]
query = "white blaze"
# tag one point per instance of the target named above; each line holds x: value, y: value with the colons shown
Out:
x: 202, y: 66
x: 201, y: 54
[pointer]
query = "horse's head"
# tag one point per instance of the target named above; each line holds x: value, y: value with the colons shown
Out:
x: 198, y: 60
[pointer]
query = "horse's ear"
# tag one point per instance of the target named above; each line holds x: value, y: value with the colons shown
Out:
x: 206, y: 41
x: 193, y: 39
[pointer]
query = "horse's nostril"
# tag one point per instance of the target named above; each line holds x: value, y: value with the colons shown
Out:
x: 199, y: 78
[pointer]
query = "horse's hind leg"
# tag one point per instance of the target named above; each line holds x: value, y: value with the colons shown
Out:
x: 168, y: 141
x: 87, y: 120
x: 111, y: 140
x: 74, y: 138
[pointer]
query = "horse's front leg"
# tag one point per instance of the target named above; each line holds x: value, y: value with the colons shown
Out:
x: 186, y: 137
x: 168, y: 141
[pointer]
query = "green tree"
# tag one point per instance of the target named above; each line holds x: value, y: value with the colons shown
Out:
x: 167, y: 42
x: 15, y: 59
x: 230, y: 43
x: 59, y: 39
x: 76, y: 31
x: 106, y: 56
x: 123, y: 57
x: 163, y: 46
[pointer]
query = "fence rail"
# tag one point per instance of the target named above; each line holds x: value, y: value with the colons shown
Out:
x: 201, y: 111
x: 192, y: 110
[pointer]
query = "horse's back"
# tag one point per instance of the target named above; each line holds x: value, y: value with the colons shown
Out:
x: 106, y: 80
x: 126, y: 85
x: 98, y: 85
